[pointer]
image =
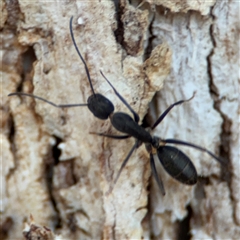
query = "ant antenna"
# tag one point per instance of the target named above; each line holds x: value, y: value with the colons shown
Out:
x: 79, y: 54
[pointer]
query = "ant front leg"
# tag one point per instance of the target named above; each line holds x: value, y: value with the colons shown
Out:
x: 99, y: 105
x: 136, y: 117
x: 46, y: 101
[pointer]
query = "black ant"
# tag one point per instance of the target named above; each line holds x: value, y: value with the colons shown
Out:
x: 99, y: 105
x: 175, y: 162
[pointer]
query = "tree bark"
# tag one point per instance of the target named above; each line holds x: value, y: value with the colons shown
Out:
x: 158, y: 53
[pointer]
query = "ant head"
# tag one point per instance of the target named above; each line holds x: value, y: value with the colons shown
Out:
x: 100, y: 106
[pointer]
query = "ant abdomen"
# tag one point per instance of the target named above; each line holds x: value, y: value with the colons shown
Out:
x: 177, y: 164
x: 100, y: 106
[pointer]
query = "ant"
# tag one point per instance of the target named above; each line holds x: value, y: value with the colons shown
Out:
x: 99, y: 105
x: 177, y: 164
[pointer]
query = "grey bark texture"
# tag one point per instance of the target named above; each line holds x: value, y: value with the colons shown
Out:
x: 55, y: 174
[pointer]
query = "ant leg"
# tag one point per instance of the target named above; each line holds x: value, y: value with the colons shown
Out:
x: 44, y: 100
x: 155, y: 174
x: 163, y: 115
x: 136, y: 117
x: 111, y: 136
x: 175, y: 141
x: 136, y: 145
x: 79, y: 54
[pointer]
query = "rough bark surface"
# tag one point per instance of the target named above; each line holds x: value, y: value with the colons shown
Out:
x: 159, y: 52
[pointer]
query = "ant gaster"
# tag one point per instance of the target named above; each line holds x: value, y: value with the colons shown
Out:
x: 99, y: 105
x: 175, y: 162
